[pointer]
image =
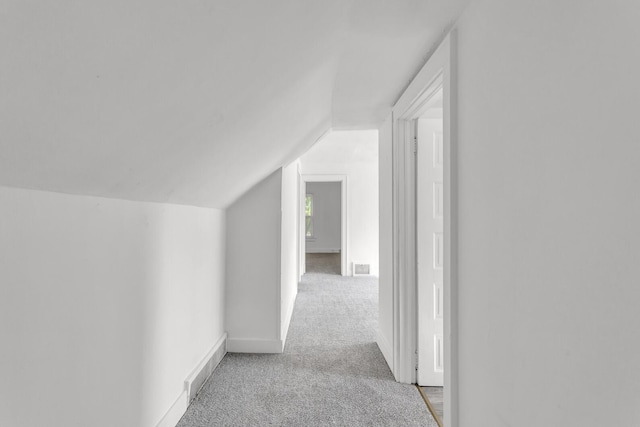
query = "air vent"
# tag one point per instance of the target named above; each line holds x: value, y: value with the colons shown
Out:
x: 361, y: 269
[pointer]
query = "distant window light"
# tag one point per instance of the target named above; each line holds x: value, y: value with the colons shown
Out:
x: 308, y: 215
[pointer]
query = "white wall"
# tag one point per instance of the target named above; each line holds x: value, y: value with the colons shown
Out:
x: 253, y: 268
x: 290, y: 244
x: 262, y: 263
x: 355, y: 154
x: 385, y: 282
x: 326, y: 217
x: 549, y: 237
x: 106, y: 306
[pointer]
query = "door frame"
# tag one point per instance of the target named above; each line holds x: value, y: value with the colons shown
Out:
x: 439, y: 71
x: 342, y: 179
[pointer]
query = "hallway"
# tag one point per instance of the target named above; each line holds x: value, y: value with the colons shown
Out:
x: 331, y: 372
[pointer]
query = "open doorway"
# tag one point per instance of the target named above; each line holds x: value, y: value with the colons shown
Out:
x: 347, y: 159
x: 323, y: 228
x: 416, y: 345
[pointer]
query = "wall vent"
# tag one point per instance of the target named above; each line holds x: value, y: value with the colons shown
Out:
x: 361, y: 269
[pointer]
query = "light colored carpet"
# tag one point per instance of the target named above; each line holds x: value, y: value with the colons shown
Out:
x: 331, y: 373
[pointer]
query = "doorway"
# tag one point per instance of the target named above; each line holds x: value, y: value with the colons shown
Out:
x: 323, y: 234
x: 323, y: 229
x: 417, y: 348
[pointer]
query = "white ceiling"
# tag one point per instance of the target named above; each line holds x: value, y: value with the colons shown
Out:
x: 194, y: 101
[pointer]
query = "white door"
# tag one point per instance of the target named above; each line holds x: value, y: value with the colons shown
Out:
x: 430, y: 250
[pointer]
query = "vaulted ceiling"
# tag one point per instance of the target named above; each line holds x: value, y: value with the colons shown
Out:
x: 194, y: 101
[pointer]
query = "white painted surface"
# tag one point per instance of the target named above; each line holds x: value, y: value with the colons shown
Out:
x: 105, y: 306
x: 354, y: 154
x: 385, y: 281
x: 438, y: 75
x: 301, y: 224
x: 430, y: 249
x: 255, y: 345
x: 253, y: 263
x: 156, y: 101
x: 549, y: 235
x: 326, y: 217
x: 262, y: 262
x: 289, y: 247
x: 175, y: 412
x: 196, y: 379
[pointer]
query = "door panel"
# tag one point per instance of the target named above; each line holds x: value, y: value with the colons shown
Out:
x: 430, y: 248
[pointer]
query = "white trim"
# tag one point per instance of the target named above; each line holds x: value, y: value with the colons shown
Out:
x: 279, y: 265
x: 404, y: 286
x: 343, y: 214
x: 196, y: 379
x: 439, y: 69
x: 251, y: 345
x: 385, y: 348
x: 194, y: 382
x: 298, y: 243
x: 302, y: 241
x: 287, y: 321
x: 301, y: 226
x: 175, y: 412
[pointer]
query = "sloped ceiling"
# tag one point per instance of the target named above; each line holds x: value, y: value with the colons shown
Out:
x: 194, y: 101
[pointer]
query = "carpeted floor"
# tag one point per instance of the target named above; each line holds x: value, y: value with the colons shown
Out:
x: 331, y: 373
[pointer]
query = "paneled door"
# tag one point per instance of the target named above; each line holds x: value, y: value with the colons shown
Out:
x: 430, y: 250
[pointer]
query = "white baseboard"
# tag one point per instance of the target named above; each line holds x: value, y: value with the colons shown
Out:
x: 194, y: 383
x: 205, y: 368
x: 254, y: 346
x: 322, y: 251
x: 386, y: 349
x: 287, y: 320
x: 176, y: 411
